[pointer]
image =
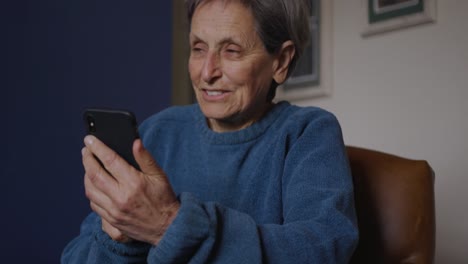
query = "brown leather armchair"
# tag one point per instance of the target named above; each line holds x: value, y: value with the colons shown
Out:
x: 395, y: 208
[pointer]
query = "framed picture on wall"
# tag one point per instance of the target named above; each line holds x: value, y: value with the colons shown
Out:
x: 387, y: 15
x: 313, y: 74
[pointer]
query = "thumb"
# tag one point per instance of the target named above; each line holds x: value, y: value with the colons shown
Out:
x: 144, y: 159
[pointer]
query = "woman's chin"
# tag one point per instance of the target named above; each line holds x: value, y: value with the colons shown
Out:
x: 214, y: 112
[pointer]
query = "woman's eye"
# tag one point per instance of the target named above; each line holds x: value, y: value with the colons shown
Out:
x: 197, y: 50
x: 232, y: 50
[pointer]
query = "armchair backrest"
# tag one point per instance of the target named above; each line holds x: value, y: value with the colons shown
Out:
x: 395, y: 208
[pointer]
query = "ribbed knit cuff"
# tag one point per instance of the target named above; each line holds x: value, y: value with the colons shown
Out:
x: 183, y: 238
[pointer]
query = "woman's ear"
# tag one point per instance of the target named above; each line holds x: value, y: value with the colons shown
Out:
x: 282, y: 61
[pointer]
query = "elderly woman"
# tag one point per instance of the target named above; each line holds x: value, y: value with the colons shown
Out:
x: 235, y: 178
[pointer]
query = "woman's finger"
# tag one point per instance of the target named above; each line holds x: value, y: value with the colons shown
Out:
x: 116, y: 166
x: 97, y: 175
x: 95, y: 195
x: 114, y: 233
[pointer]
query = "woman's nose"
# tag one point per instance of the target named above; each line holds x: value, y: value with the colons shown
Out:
x: 211, y: 68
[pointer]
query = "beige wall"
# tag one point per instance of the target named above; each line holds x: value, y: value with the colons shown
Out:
x: 406, y: 92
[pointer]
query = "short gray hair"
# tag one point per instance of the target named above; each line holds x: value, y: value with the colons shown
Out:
x: 276, y: 21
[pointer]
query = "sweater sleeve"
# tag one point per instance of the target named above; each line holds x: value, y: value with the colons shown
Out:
x: 319, y: 223
x: 94, y: 246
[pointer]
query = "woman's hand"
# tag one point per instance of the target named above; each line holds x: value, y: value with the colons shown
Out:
x: 132, y: 204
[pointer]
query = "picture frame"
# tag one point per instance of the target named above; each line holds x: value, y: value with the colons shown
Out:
x: 181, y: 92
x: 381, y: 16
x: 318, y: 82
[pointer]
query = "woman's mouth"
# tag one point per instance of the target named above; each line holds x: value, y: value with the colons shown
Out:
x: 214, y: 95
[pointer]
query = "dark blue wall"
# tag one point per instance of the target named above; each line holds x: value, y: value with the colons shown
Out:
x: 60, y: 57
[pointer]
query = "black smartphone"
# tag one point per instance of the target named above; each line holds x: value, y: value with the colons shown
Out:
x: 116, y: 128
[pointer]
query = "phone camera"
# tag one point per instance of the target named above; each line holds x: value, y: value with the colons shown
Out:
x: 91, y: 124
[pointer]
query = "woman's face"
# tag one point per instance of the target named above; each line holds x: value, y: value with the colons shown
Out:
x: 230, y: 69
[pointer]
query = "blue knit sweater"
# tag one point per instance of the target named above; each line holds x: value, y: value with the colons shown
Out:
x: 279, y: 191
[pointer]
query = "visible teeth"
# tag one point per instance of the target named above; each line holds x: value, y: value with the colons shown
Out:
x: 214, y: 93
